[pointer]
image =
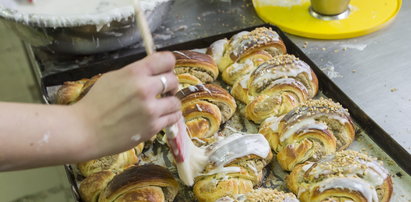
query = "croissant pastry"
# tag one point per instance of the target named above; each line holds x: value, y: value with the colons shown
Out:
x: 149, y: 183
x: 344, y: 176
x: 73, y: 91
x: 205, y: 108
x: 314, y: 129
x: 261, y: 195
x: 226, y: 52
x: 276, y: 87
x: 193, y: 68
x: 115, y: 163
x: 238, y: 176
x: 92, y: 186
x: 244, y: 66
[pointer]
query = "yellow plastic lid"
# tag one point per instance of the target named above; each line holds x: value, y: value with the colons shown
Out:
x: 365, y: 16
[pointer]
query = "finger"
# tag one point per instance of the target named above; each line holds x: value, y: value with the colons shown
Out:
x: 158, y: 63
x: 169, y: 87
x: 167, y: 105
x: 168, y: 120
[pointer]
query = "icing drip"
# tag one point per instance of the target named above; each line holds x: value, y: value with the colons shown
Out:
x: 218, y: 49
x: 353, y: 184
x: 306, y: 123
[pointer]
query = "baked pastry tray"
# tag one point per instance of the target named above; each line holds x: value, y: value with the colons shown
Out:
x: 370, y: 137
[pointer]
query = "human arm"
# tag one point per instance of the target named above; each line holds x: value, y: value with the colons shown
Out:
x: 119, y: 112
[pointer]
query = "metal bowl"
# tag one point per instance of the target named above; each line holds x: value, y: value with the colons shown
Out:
x: 81, y: 39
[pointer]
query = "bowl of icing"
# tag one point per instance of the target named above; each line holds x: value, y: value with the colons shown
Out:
x: 79, y: 26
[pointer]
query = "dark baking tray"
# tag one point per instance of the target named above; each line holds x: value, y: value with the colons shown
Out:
x: 328, y: 87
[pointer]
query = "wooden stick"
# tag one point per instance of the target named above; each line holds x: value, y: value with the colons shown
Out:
x: 142, y: 25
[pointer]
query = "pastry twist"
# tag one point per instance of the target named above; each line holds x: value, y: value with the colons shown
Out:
x: 73, y: 91
x: 244, y: 66
x: 92, y: 186
x: 314, y: 129
x: 344, y: 176
x: 226, y: 52
x: 276, y: 87
x: 147, y: 183
x: 238, y: 176
x: 205, y: 108
x: 114, y: 163
x: 262, y: 195
x: 193, y: 68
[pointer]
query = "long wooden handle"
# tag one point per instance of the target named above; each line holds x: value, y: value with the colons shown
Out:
x: 142, y: 25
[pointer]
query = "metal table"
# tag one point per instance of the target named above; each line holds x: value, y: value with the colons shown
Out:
x: 372, y: 69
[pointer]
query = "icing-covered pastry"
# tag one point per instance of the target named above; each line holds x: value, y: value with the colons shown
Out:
x: 310, y: 131
x: 261, y: 195
x: 344, y: 176
x: 275, y: 87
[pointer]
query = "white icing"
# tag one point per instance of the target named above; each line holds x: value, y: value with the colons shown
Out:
x: 305, y: 123
x: 61, y: 13
x: 193, y: 88
x: 273, y: 122
x: 218, y: 49
x: 237, y: 146
x: 199, y: 108
x: 244, y: 81
x: 284, y: 72
x: 181, y: 53
x: 239, y: 66
x: 353, y: 184
x: 307, y: 166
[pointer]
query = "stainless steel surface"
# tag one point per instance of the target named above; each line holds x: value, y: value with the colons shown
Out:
x: 373, y: 70
x: 329, y: 7
x: 87, y: 39
x: 340, y: 16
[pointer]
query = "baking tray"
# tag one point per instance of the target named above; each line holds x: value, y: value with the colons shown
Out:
x: 370, y: 136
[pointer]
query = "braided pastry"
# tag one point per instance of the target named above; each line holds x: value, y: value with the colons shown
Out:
x: 345, y: 176
x: 115, y: 163
x: 314, y: 129
x: 205, y: 108
x: 149, y: 183
x: 276, y: 87
x: 261, y: 195
x: 245, y: 43
x: 73, y: 91
x: 193, y: 68
x: 236, y: 176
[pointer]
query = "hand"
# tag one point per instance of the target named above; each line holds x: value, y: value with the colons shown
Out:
x: 123, y: 108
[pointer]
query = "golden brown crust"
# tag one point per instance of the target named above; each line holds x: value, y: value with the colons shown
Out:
x: 93, y: 185
x: 199, y: 65
x: 275, y: 87
x: 346, y: 175
x: 115, y: 163
x: 205, y: 108
x: 244, y: 66
x: 314, y: 129
x: 246, y: 43
x: 73, y: 91
x: 147, y: 181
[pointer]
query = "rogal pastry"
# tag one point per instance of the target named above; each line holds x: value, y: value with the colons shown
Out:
x: 114, y: 163
x: 92, y: 186
x: 276, y: 87
x: 205, y: 108
x: 309, y: 132
x: 73, y: 91
x: 149, y: 183
x: 226, y: 52
x: 344, y: 176
x: 193, y: 68
x: 235, y: 169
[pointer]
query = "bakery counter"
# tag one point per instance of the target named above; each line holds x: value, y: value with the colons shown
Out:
x: 372, y: 70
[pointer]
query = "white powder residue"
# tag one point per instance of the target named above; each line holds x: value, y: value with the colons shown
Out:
x: 281, y: 3
x: 45, y: 138
x: 136, y: 138
x: 329, y: 69
x: 359, y: 47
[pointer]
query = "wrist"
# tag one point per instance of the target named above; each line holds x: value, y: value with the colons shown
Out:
x: 84, y: 138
